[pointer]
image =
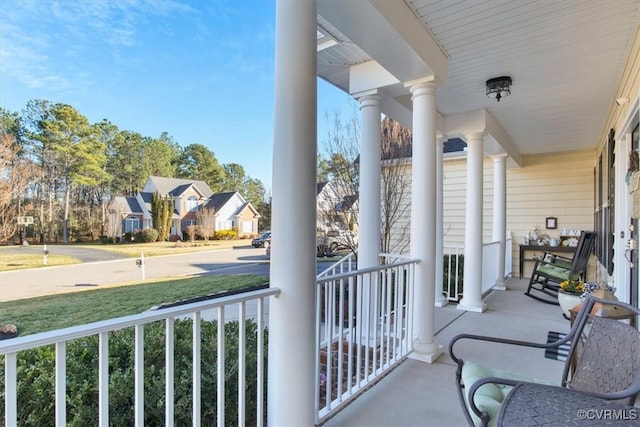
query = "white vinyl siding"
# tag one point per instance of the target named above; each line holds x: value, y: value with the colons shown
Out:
x: 560, y: 185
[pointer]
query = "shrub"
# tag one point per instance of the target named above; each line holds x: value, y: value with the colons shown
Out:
x: 106, y: 240
x: 226, y: 235
x: 148, y: 235
x: 457, y: 269
x: 36, y: 377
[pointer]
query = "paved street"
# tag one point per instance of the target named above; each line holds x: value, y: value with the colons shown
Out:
x: 21, y: 284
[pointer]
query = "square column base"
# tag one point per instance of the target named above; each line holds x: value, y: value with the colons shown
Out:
x: 428, y: 357
x: 476, y: 309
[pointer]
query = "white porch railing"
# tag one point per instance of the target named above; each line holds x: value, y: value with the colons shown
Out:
x: 364, y: 328
x: 454, y: 262
x: 240, y: 307
x: 346, y: 264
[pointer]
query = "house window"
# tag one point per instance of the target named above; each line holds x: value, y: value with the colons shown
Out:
x: 189, y: 222
x: 192, y: 203
x: 131, y: 223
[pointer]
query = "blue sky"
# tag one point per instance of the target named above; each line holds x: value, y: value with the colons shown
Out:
x: 200, y: 70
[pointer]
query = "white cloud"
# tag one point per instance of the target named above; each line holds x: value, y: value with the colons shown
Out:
x: 48, y: 44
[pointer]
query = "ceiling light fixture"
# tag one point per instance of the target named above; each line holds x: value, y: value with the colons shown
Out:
x: 499, y: 87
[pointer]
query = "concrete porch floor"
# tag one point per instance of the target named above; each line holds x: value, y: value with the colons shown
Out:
x: 423, y: 394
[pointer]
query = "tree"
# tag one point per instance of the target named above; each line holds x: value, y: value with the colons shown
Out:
x: 234, y: 177
x: 206, y: 222
x: 161, y: 215
x: 342, y: 162
x: 77, y: 151
x: 16, y: 172
x: 395, y: 187
x: 160, y: 155
x: 197, y: 162
x: 39, y: 150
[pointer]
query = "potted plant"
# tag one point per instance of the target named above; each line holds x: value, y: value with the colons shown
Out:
x: 572, y: 292
x: 570, y: 295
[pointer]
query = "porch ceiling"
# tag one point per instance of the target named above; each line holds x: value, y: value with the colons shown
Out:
x: 565, y: 59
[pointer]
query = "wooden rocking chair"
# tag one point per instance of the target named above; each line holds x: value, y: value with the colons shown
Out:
x: 550, y: 270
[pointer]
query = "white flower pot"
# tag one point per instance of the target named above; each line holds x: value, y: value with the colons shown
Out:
x: 568, y: 301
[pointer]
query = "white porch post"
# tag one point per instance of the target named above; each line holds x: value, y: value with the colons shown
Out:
x: 500, y: 214
x: 369, y: 203
x: 440, y: 300
x: 291, y: 314
x: 472, y: 293
x: 423, y: 218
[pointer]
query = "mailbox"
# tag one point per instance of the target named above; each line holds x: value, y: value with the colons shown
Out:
x: 139, y: 262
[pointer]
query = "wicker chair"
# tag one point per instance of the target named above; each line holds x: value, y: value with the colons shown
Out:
x: 550, y: 270
x: 603, y: 365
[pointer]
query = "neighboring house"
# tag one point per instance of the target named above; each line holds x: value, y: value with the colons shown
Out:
x: 336, y: 211
x: 188, y: 197
x: 233, y: 212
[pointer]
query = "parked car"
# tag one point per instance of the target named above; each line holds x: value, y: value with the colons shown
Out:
x: 262, y: 241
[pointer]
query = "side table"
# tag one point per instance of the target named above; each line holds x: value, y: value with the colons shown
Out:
x: 553, y: 249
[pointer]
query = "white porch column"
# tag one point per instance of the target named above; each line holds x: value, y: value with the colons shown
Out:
x: 472, y: 293
x: 440, y: 300
x: 291, y: 314
x: 423, y: 219
x: 369, y: 199
x: 500, y: 214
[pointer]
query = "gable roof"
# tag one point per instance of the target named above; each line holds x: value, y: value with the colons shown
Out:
x: 177, y: 186
x: 218, y: 200
x: 320, y: 186
x: 127, y: 205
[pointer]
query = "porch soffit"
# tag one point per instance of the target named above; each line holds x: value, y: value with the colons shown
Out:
x: 389, y: 33
x: 565, y: 58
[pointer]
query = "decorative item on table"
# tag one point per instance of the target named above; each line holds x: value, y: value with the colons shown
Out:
x: 534, y: 235
x: 570, y: 238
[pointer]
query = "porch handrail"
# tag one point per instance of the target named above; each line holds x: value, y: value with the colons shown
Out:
x: 67, y: 334
x: 364, y: 323
x: 59, y: 338
x: 339, y: 266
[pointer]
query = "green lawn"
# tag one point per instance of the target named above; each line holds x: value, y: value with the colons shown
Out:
x: 60, y: 311
x: 9, y: 261
x: 21, y: 261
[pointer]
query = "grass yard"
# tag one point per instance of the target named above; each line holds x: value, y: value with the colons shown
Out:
x: 9, y: 261
x: 168, y: 248
x: 13, y: 258
x: 60, y: 311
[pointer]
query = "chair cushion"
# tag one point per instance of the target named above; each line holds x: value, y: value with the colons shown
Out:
x: 553, y: 271
x: 489, y: 397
